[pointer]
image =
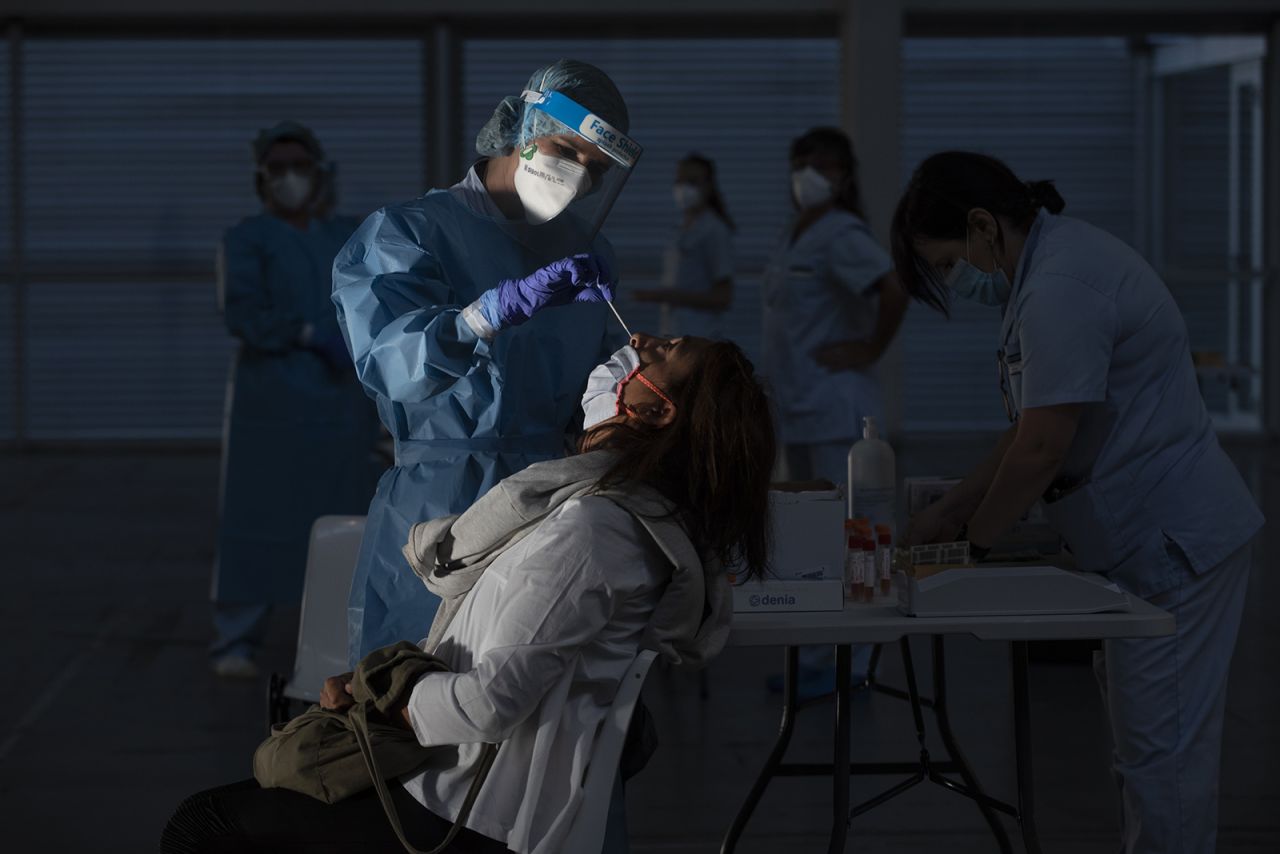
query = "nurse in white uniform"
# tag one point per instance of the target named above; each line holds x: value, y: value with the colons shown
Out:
x: 832, y: 305
x: 1110, y: 429
x: 697, y: 268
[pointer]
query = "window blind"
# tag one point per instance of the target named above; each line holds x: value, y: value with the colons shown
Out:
x: 137, y: 159
x: 1050, y: 108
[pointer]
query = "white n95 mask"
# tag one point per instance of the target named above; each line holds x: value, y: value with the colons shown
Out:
x: 600, y: 402
x: 291, y: 190
x: 810, y: 188
x: 547, y: 184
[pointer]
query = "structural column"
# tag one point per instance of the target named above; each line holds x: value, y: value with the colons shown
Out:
x: 442, y: 108
x: 1271, y: 224
x: 17, y: 239
x: 870, y: 110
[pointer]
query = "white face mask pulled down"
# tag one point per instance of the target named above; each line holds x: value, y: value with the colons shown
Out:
x: 811, y: 188
x: 600, y: 402
x: 547, y: 184
x: 292, y: 190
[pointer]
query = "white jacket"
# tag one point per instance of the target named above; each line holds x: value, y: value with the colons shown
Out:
x: 540, y: 645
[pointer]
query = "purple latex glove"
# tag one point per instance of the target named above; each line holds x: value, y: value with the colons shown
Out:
x: 578, y: 278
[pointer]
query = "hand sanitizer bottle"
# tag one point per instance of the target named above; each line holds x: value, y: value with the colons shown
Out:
x: 872, y: 477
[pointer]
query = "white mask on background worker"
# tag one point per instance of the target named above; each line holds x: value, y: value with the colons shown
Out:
x: 292, y: 190
x: 547, y: 184
x: 811, y: 188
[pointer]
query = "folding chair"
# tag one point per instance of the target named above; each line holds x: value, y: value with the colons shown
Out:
x: 322, y: 630
x: 586, y: 836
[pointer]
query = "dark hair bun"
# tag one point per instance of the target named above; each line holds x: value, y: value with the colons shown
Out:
x: 1045, y: 195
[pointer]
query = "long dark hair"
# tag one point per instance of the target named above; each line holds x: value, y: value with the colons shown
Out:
x: 715, y: 199
x: 836, y: 143
x: 936, y: 205
x: 713, y: 462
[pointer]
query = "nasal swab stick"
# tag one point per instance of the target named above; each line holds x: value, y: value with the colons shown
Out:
x: 620, y: 320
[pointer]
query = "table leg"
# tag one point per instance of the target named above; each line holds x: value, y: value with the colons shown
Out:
x: 840, y: 762
x: 790, y: 672
x: 913, y: 694
x: 953, y: 748
x: 1022, y: 748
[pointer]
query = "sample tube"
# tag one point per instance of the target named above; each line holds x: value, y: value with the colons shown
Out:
x: 869, y: 575
x: 884, y: 558
x: 853, y: 570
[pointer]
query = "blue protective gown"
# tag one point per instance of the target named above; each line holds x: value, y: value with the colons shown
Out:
x: 464, y: 412
x: 298, y: 434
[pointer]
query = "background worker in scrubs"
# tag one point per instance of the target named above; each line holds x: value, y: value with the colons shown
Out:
x: 443, y: 300
x: 832, y: 305
x: 697, y: 269
x: 1109, y: 427
x: 299, y: 431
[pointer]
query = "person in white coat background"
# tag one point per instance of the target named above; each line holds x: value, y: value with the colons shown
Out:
x: 832, y: 305
x: 1109, y: 427
x: 697, y: 267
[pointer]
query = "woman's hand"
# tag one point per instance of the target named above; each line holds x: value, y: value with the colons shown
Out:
x: 336, y: 693
x: 933, y: 524
x: 847, y: 355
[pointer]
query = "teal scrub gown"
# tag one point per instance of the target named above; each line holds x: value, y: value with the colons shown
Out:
x: 298, y: 433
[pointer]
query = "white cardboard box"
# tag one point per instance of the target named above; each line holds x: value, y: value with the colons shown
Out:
x: 771, y: 596
x: 808, y: 535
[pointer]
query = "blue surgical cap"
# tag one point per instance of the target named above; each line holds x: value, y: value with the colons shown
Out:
x: 514, y: 122
x: 287, y: 130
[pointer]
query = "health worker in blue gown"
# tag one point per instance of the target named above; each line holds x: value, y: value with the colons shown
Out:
x: 299, y: 432
x: 474, y: 315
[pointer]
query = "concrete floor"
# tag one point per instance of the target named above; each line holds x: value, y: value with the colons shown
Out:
x: 113, y: 717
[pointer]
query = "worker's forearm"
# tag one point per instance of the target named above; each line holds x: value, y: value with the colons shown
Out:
x: 963, y: 499
x: 1023, y: 476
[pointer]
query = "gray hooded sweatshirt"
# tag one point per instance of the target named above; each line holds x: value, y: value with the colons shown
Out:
x: 691, y: 621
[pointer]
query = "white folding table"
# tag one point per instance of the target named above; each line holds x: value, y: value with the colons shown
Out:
x: 877, y: 624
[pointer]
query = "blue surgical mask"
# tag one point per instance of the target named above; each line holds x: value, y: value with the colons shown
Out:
x: 971, y: 283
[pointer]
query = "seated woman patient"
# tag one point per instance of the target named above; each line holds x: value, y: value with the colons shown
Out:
x: 551, y: 584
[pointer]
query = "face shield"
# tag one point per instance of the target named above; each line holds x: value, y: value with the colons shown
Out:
x: 576, y: 161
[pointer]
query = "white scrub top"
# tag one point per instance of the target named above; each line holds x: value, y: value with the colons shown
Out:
x: 539, y: 646
x: 1089, y: 321
x: 698, y: 256
x: 820, y: 290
